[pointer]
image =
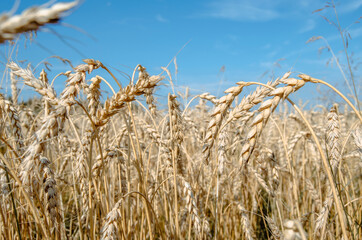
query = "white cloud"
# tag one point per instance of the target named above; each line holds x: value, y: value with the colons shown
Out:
x: 350, y: 6
x: 264, y: 10
x: 308, y: 26
x: 233, y: 37
x: 242, y: 10
x: 160, y: 18
x: 356, y: 33
x: 272, y: 53
x: 267, y: 46
x: 226, y: 47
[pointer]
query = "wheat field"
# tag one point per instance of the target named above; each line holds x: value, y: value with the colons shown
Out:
x: 242, y: 166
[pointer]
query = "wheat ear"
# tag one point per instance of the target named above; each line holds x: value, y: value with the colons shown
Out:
x: 50, y: 192
x: 110, y: 228
x: 127, y: 94
x: 31, y: 19
x: 218, y: 115
x: 7, y: 106
x: 265, y: 110
x: 245, y: 221
x: 334, y: 155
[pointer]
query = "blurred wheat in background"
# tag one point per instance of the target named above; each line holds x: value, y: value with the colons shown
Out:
x: 242, y: 166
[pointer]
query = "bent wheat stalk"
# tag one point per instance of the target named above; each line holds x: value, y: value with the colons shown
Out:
x: 308, y: 78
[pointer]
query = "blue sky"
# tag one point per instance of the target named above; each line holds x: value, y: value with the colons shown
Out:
x: 253, y: 39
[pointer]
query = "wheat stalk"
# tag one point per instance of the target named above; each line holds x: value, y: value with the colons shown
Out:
x: 14, y: 88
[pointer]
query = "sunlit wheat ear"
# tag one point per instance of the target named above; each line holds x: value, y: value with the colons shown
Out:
x: 357, y: 136
x: 100, y: 164
x: 27, y: 117
x: 261, y: 181
x: 39, y: 85
x: 163, y: 144
x: 298, y: 120
x: 67, y: 148
x: 104, y: 134
x: 222, y: 158
x: 50, y: 191
x: 273, y: 172
x: 277, y: 234
x: 4, y: 184
x: 294, y: 140
x: 175, y: 119
x: 245, y: 221
x: 209, y: 97
x: 217, y: 117
x: 334, y: 155
x: 110, y: 230
x: 333, y: 138
x: 192, y: 127
x: 150, y: 100
x: 152, y: 133
x: 143, y: 74
x: 76, y: 81
x: 265, y: 110
x: 81, y: 172
x: 93, y: 96
x: 176, y: 132
x: 31, y: 19
x: 256, y: 97
x: 192, y: 207
x: 53, y: 123
x: 44, y: 78
x: 314, y: 194
x: 126, y: 94
x: 8, y: 108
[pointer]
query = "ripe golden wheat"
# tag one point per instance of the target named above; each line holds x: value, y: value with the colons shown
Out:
x: 76, y: 167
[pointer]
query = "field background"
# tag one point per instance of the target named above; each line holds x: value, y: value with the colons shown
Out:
x: 108, y: 152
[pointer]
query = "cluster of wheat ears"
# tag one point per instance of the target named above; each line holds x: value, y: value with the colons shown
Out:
x: 76, y: 167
